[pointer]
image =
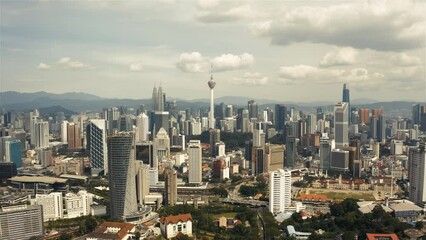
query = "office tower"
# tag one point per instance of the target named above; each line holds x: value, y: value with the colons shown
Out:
x: 142, y: 181
x: 159, y: 120
x: 252, y: 108
x: 416, y: 175
x: 257, y: 160
x: 41, y: 134
x: 142, y: 123
x: 33, y: 119
x: 339, y: 160
x: 214, y: 138
x: 170, y: 179
x: 74, y: 139
x: 160, y: 99
x: 211, y: 84
x: 78, y: 204
x: 325, y: 153
x: 44, y: 156
x: 346, y: 99
x: 311, y: 124
x: 195, y: 161
x: 64, y: 132
x: 320, y: 114
x: 341, y: 125
x: 279, y: 191
x: 258, y: 136
x: 154, y: 99
x: 52, y: 205
x: 373, y: 127
x: 423, y: 120
x: 381, y: 129
x: 13, y: 152
x: 273, y: 157
x: 21, y: 222
x: 290, y: 152
x: 96, y: 134
x: 121, y: 162
x: 364, y: 116
x: 280, y: 117
x: 416, y: 113
x: 125, y: 123
x: 161, y: 147
x: 112, y: 118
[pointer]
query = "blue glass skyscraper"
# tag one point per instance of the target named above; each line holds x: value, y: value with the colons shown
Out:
x: 346, y: 99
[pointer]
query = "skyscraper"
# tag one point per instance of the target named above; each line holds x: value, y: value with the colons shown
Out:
x: 279, y: 191
x: 195, y: 161
x: 280, y: 116
x: 121, y: 163
x: 142, y: 122
x: 13, y: 152
x: 96, y: 133
x: 170, y: 180
x: 112, y: 118
x: 346, y: 99
x: 252, y: 108
x: 416, y: 114
x: 161, y: 147
x: 211, y: 84
x: 21, y: 222
x: 74, y: 139
x: 290, y: 152
x: 416, y: 175
x: 325, y: 154
x: 341, y: 124
x: 154, y: 99
x: 41, y: 134
x: 64, y: 132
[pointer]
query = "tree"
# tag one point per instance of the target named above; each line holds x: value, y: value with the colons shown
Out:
x: 137, y: 235
x: 419, y: 225
x: 349, y: 235
x: 65, y: 236
x: 378, y: 213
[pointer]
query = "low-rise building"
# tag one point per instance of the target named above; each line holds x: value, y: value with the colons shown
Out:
x: 172, y: 225
x: 21, y: 222
x: 112, y: 230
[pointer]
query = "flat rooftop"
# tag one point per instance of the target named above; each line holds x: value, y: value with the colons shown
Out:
x: 38, y: 179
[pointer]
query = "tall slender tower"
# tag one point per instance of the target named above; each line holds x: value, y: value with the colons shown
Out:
x: 346, y: 98
x: 211, y: 84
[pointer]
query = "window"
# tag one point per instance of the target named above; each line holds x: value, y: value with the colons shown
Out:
x: 184, y: 226
x: 179, y: 227
x: 174, y: 228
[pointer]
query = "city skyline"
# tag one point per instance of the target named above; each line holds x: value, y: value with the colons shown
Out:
x: 286, y: 51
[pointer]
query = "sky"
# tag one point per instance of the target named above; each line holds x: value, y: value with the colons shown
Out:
x: 287, y: 50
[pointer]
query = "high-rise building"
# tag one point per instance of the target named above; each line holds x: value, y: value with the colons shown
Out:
x: 290, y: 152
x: 341, y: 132
x: 74, y: 139
x: 416, y: 113
x: 416, y: 175
x: 41, y: 134
x: 214, y: 138
x: 170, y: 179
x: 339, y: 160
x: 279, y: 191
x: 273, y: 157
x: 346, y: 99
x: 13, y: 152
x: 64, y: 132
x: 112, y: 118
x: 52, y: 205
x: 142, y: 181
x: 21, y: 222
x: 121, y: 163
x: 161, y: 147
x: 158, y: 120
x: 364, y: 116
x: 142, y: 123
x: 252, y: 108
x: 325, y: 152
x: 195, y: 161
x: 211, y: 84
x: 96, y: 134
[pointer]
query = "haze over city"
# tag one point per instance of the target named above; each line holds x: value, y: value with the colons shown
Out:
x: 281, y: 50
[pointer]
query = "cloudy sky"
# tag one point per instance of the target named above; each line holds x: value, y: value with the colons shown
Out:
x: 286, y: 50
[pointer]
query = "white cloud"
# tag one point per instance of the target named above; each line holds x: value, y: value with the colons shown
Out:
x: 341, y: 56
x: 136, y: 66
x: 43, y: 66
x: 403, y: 59
x: 194, y: 62
x: 216, y: 11
x: 359, y: 78
x: 251, y: 79
x: 393, y: 26
x: 67, y: 63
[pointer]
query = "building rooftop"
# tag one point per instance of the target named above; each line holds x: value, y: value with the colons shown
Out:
x: 314, y: 197
x: 39, y: 179
x: 379, y: 236
x: 108, y: 230
x: 69, y: 176
x: 177, y: 218
x: 405, y: 206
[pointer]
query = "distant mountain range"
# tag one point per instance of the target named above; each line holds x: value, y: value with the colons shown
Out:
x: 73, y: 102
